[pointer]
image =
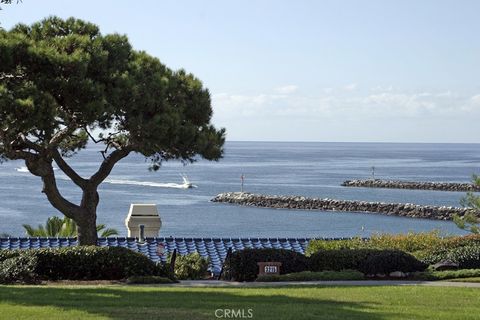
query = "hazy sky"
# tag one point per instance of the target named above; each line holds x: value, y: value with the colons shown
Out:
x: 405, y: 71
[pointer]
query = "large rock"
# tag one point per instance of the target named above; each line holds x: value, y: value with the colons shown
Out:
x: 445, y: 265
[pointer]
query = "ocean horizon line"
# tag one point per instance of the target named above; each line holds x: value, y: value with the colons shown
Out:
x: 350, y: 142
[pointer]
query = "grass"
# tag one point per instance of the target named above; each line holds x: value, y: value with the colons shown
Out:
x: 474, y: 279
x: 149, y: 280
x: 309, y: 302
x: 313, y: 276
x: 447, y: 274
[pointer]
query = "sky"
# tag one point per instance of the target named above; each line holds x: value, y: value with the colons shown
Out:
x: 356, y: 71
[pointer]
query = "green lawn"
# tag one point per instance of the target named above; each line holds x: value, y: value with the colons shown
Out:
x: 475, y: 279
x: 142, y: 302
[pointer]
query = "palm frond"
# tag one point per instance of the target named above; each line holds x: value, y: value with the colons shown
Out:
x: 69, y: 228
x: 109, y: 232
x: 53, y: 226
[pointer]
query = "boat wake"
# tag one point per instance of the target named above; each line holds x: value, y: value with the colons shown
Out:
x: 25, y: 169
x: 185, y: 185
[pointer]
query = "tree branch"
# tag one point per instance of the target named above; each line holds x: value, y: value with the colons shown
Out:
x: 62, y: 134
x: 108, y: 164
x: 63, y: 165
x: 56, y: 199
x: 91, y: 136
x: 42, y: 167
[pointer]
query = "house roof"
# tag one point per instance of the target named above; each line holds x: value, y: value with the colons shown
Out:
x: 213, y: 248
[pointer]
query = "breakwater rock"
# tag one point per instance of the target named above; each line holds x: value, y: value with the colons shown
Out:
x: 298, y: 202
x: 414, y: 185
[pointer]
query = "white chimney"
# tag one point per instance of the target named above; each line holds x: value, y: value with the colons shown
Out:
x: 146, y: 215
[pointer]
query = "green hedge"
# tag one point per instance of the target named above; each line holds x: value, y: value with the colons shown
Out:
x: 76, y: 263
x: 7, y: 254
x: 369, y: 261
x: 19, y: 269
x: 466, y: 257
x: 386, y: 261
x: 242, y: 265
x: 343, y: 259
x: 410, y: 242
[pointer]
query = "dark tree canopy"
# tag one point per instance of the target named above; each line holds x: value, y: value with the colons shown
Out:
x: 63, y: 83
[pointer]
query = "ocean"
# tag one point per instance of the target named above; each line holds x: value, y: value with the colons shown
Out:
x: 282, y: 168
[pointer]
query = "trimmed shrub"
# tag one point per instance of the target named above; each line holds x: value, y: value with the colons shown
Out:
x: 191, y: 266
x: 343, y: 259
x: 313, y: 276
x: 467, y: 257
x: 369, y: 261
x: 149, y: 280
x: 7, y: 254
x: 86, y: 263
x: 19, y: 269
x: 92, y: 263
x: 386, y: 261
x: 242, y: 265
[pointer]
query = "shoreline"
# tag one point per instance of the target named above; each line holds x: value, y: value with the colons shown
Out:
x: 443, y: 213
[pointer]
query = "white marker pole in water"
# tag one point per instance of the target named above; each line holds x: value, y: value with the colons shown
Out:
x: 373, y: 172
x: 242, y: 179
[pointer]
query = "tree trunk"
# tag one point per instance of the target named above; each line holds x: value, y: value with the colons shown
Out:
x: 85, y: 214
x: 87, y: 229
x: 87, y: 220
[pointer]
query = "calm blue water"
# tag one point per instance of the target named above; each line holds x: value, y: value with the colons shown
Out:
x: 310, y: 169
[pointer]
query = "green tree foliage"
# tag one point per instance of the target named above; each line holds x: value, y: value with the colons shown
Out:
x: 63, y: 83
x: 66, y: 227
x: 471, y: 220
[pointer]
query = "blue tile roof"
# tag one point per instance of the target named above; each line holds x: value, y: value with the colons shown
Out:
x: 214, y: 248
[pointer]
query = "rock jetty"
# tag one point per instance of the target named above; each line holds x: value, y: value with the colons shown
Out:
x: 304, y: 203
x: 414, y: 185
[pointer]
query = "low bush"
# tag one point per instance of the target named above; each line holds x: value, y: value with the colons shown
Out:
x: 163, y: 270
x: 242, y: 265
x: 471, y: 240
x: 7, y: 254
x: 84, y: 263
x: 445, y: 275
x: 191, y: 267
x: 369, y: 261
x: 320, y: 245
x: 149, y: 280
x: 19, y: 269
x: 313, y: 276
x: 337, y: 260
x: 386, y: 261
x: 410, y: 242
x: 467, y: 257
